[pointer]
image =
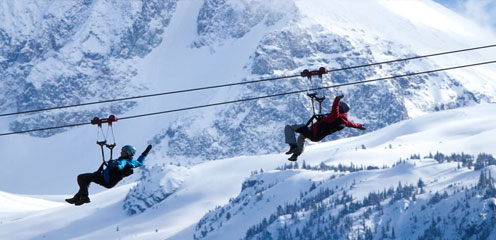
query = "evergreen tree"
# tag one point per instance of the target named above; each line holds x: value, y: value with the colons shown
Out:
x: 265, y: 235
x: 420, y: 183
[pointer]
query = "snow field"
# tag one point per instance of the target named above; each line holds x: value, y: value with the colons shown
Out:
x: 213, y: 183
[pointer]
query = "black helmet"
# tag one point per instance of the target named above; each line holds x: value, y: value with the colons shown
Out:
x: 343, y: 107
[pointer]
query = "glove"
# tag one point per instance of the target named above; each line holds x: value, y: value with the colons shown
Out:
x: 340, y: 96
x: 362, y: 127
x: 147, y: 150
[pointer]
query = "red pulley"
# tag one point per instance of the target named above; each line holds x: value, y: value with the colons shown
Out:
x: 96, y: 121
x: 319, y: 73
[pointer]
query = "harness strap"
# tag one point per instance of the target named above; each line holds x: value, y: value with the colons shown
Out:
x: 99, y: 122
x: 310, y: 121
x: 100, y: 169
x: 317, y: 117
x: 320, y: 100
x: 312, y: 96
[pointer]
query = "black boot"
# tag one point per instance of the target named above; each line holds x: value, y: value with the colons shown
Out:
x: 294, y: 157
x: 73, y: 199
x: 82, y: 200
x: 292, y: 149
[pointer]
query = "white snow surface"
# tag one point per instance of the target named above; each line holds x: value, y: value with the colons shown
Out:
x: 213, y: 183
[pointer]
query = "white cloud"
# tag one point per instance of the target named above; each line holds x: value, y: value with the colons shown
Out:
x: 481, y: 11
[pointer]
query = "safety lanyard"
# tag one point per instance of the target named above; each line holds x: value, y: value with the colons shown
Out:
x: 99, y: 122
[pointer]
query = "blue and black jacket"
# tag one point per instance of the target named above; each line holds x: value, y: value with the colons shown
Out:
x: 117, y: 169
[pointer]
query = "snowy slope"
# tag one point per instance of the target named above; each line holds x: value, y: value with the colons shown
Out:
x: 332, y: 34
x: 212, y: 184
x: 14, y: 203
x: 337, y: 205
x: 156, y: 46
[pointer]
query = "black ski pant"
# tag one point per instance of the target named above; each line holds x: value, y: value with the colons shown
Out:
x: 85, y: 179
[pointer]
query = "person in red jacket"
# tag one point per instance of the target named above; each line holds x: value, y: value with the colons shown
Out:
x: 333, y: 122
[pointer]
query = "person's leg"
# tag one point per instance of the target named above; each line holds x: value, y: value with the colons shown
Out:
x: 299, y: 149
x: 290, y: 133
x: 290, y: 137
x: 301, y: 143
x: 84, y: 181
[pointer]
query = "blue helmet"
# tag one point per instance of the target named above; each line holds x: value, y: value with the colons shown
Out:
x: 130, y: 150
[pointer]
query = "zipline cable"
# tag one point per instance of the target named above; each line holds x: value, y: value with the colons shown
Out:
x: 241, y: 83
x: 412, y: 58
x: 261, y: 97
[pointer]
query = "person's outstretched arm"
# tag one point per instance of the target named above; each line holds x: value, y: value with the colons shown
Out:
x: 333, y: 116
x: 350, y: 124
x: 142, y: 157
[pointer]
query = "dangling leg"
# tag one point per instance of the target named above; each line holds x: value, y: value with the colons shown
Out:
x: 300, y: 148
x: 84, y: 181
x: 301, y: 143
x: 290, y: 137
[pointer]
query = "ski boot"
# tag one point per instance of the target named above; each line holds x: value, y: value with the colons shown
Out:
x: 82, y: 200
x: 294, y: 157
x: 292, y: 149
x: 73, y: 199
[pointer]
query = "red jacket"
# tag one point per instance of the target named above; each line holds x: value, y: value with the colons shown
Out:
x: 331, y: 123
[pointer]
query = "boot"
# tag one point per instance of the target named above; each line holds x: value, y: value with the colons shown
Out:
x: 82, y: 200
x: 292, y: 149
x: 73, y: 199
x: 294, y: 157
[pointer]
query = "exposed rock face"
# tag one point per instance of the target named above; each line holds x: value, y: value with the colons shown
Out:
x: 67, y: 53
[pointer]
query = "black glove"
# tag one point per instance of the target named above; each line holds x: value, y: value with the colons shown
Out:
x: 147, y: 150
x: 362, y: 127
x: 340, y: 96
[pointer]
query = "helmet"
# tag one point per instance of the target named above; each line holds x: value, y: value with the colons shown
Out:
x: 343, y: 107
x: 130, y: 150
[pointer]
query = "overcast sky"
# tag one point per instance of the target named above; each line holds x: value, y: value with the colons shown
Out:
x: 481, y: 11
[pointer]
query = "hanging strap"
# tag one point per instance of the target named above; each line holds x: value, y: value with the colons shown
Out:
x: 313, y: 95
x: 101, y: 144
x: 111, y: 146
x: 320, y: 100
x: 99, y: 122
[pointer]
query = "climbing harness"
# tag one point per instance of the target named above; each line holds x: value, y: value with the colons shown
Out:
x: 99, y: 122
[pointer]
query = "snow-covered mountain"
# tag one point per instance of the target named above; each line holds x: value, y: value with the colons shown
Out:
x: 305, y: 35
x: 79, y: 51
x: 68, y: 52
x: 71, y: 52
x: 419, y: 178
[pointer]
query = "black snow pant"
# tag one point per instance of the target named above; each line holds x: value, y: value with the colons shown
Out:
x: 85, y: 179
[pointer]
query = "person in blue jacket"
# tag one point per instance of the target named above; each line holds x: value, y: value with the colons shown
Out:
x: 115, y: 171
